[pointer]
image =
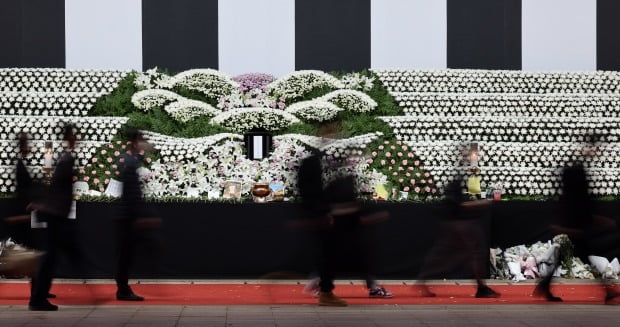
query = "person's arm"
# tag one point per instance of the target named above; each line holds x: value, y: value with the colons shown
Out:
x: 571, y: 232
x: 476, y: 204
x: 375, y: 217
x: 604, y: 223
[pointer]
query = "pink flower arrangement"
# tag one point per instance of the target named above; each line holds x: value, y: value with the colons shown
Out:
x: 403, y: 169
x: 103, y: 165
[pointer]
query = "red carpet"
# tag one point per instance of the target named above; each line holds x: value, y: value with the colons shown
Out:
x: 253, y: 294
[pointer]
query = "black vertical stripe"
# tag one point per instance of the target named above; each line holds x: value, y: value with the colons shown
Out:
x: 180, y: 34
x: 608, y: 35
x: 484, y: 34
x: 43, y: 31
x: 32, y: 33
x: 332, y: 35
x: 10, y: 33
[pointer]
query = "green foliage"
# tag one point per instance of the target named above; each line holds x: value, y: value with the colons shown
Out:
x: 157, y: 120
x: 117, y: 103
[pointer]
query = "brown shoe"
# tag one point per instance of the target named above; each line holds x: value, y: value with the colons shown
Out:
x: 328, y: 299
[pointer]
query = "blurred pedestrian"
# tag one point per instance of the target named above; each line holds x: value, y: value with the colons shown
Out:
x: 133, y: 214
x: 17, y: 226
x: 591, y: 234
x: 54, y: 210
x: 461, y: 238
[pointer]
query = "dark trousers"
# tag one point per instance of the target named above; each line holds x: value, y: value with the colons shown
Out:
x: 43, y: 282
x: 342, y: 248
x: 125, y: 249
x: 458, y: 242
x: 326, y: 260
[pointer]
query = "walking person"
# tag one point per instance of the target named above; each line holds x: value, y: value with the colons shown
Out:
x: 54, y: 209
x: 17, y: 225
x: 133, y: 214
x: 461, y: 236
x: 310, y: 183
x: 591, y: 234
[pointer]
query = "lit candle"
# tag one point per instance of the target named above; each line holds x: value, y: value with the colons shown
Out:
x: 49, y: 159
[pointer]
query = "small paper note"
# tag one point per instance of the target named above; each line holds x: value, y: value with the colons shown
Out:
x: 115, y: 189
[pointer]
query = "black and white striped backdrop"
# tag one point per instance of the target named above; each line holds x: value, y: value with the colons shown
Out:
x: 278, y: 36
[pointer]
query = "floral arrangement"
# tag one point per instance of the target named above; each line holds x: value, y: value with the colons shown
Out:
x: 528, y: 105
x: 59, y: 80
x: 253, y: 81
x: 405, y: 171
x: 209, y: 82
x: 516, y: 154
x: 530, y: 181
x: 503, y: 129
x: 47, y: 103
x: 500, y: 81
x: 528, y: 262
x: 354, y: 101
x: 49, y: 128
x: 105, y: 163
x: 153, y: 79
x: 7, y: 177
x: 300, y: 83
x: 357, y: 81
x: 151, y: 98
x: 184, y: 110
x: 226, y: 161
x: 9, y: 151
x: 314, y: 110
x: 176, y: 150
x: 223, y: 162
x: 245, y: 119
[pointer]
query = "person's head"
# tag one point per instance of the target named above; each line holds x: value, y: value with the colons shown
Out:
x: 22, y: 140
x: 590, y: 146
x: 330, y: 130
x: 69, y: 135
x: 137, y: 141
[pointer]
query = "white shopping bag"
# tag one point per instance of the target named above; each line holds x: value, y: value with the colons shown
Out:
x: 34, y: 221
x: 73, y: 211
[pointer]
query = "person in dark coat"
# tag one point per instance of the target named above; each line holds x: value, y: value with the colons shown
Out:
x: 54, y: 209
x: 133, y: 214
x: 591, y: 234
x: 461, y: 238
x: 315, y: 204
x: 25, y: 190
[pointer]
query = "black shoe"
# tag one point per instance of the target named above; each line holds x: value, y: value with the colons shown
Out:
x: 42, y: 306
x: 128, y: 297
x: 51, y: 295
x: 545, y: 292
x: 486, y: 292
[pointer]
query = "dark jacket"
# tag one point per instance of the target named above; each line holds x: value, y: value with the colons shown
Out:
x: 60, y: 192
x: 132, y: 202
x: 310, y: 184
x: 576, y: 202
x: 23, y: 186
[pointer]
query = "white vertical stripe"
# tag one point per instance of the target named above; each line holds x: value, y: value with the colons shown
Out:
x: 103, y: 34
x: 256, y: 36
x: 409, y: 34
x: 559, y: 35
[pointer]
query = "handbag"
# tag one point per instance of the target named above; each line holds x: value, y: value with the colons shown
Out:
x: 17, y: 261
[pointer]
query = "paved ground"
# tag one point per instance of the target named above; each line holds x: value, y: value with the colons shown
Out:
x: 387, y: 315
